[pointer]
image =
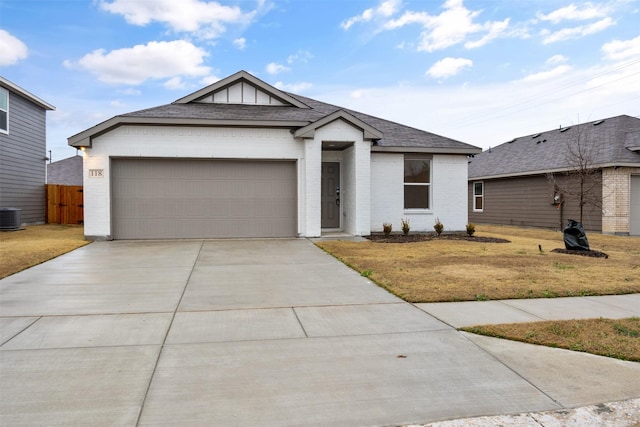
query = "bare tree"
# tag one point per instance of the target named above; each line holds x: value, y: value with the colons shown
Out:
x: 582, y: 180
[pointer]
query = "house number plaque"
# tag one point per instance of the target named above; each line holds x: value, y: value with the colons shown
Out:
x: 96, y: 173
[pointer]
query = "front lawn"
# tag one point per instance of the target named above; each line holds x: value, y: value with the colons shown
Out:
x: 22, y: 249
x: 461, y: 270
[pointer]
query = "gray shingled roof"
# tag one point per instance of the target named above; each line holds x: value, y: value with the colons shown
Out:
x: 395, y: 134
x: 65, y: 172
x: 607, y: 141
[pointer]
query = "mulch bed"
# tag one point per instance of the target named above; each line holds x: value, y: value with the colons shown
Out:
x: 425, y: 237
x: 591, y: 253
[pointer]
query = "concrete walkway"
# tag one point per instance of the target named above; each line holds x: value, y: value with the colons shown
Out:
x: 273, y: 333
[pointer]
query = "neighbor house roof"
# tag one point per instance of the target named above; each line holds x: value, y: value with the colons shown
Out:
x: 9, y: 85
x: 302, y: 115
x: 610, y: 142
x: 66, y: 171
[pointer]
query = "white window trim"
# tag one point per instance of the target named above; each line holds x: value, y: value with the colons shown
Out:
x: 5, y: 131
x: 428, y: 210
x: 474, y: 196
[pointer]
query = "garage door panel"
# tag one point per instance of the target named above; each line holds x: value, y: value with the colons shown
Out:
x: 203, y: 199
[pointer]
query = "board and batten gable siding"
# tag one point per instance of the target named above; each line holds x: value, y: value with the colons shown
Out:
x: 22, y: 159
x: 448, y: 193
x: 528, y: 201
x: 178, y: 142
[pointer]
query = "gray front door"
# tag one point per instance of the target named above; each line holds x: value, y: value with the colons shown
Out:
x: 330, y: 195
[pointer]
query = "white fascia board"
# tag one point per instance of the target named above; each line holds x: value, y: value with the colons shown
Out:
x: 426, y: 150
x: 369, y: 132
x: 83, y: 139
x: 25, y: 93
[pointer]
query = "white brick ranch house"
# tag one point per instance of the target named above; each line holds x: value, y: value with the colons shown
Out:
x: 241, y: 158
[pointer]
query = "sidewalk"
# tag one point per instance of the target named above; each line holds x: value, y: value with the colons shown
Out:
x: 625, y: 413
x: 471, y: 313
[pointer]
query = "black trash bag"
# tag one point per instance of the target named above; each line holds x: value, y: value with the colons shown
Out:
x: 574, y: 237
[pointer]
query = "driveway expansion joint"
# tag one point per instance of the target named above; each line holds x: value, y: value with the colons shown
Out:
x: 162, y: 346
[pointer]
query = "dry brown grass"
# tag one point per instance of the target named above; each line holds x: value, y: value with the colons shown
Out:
x: 37, y: 243
x: 618, y: 338
x: 454, y: 270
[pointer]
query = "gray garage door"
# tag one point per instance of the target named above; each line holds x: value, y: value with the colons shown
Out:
x: 160, y: 199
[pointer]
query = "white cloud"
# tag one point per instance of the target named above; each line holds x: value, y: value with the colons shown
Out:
x: 453, y: 26
x: 556, y: 59
x: 619, y: 50
x: 547, y: 75
x: 572, y: 12
x: 578, y: 32
x: 209, y: 80
x: 175, y: 83
x: 496, y: 29
x: 293, y: 87
x: 299, y: 56
x: 155, y: 60
x: 384, y: 10
x: 13, y: 49
x: 448, y: 67
x: 206, y: 19
x: 275, y: 68
x: 240, y: 43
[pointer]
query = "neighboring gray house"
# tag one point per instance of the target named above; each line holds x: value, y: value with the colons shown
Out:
x: 241, y: 158
x: 22, y: 151
x: 509, y: 184
x: 66, y: 171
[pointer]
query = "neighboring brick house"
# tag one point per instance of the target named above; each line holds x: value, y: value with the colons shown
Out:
x: 22, y: 151
x: 509, y: 184
x: 241, y: 158
x: 65, y: 172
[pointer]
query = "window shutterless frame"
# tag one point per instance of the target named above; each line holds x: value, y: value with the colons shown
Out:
x: 4, y: 110
x: 417, y: 182
x: 478, y: 196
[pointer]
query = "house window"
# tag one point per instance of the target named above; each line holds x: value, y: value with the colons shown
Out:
x: 417, y: 182
x: 4, y: 110
x: 478, y: 196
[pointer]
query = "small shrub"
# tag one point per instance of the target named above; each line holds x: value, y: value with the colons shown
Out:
x: 405, y: 226
x: 386, y: 228
x: 471, y: 229
x: 438, y: 226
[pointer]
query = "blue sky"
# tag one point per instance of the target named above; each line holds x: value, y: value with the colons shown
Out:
x: 480, y: 71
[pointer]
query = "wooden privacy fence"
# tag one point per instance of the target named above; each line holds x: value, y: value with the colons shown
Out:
x: 64, y: 204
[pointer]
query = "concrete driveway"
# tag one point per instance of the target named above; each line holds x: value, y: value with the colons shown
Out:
x: 252, y: 332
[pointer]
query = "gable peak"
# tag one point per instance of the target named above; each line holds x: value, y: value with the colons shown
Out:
x: 241, y: 88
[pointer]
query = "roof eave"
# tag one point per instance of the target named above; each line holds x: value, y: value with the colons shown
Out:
x: 557, y: 170
x: 26, y: 94
x: 426, y: 150
x: 84, y: 139
x: 368, y: 131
